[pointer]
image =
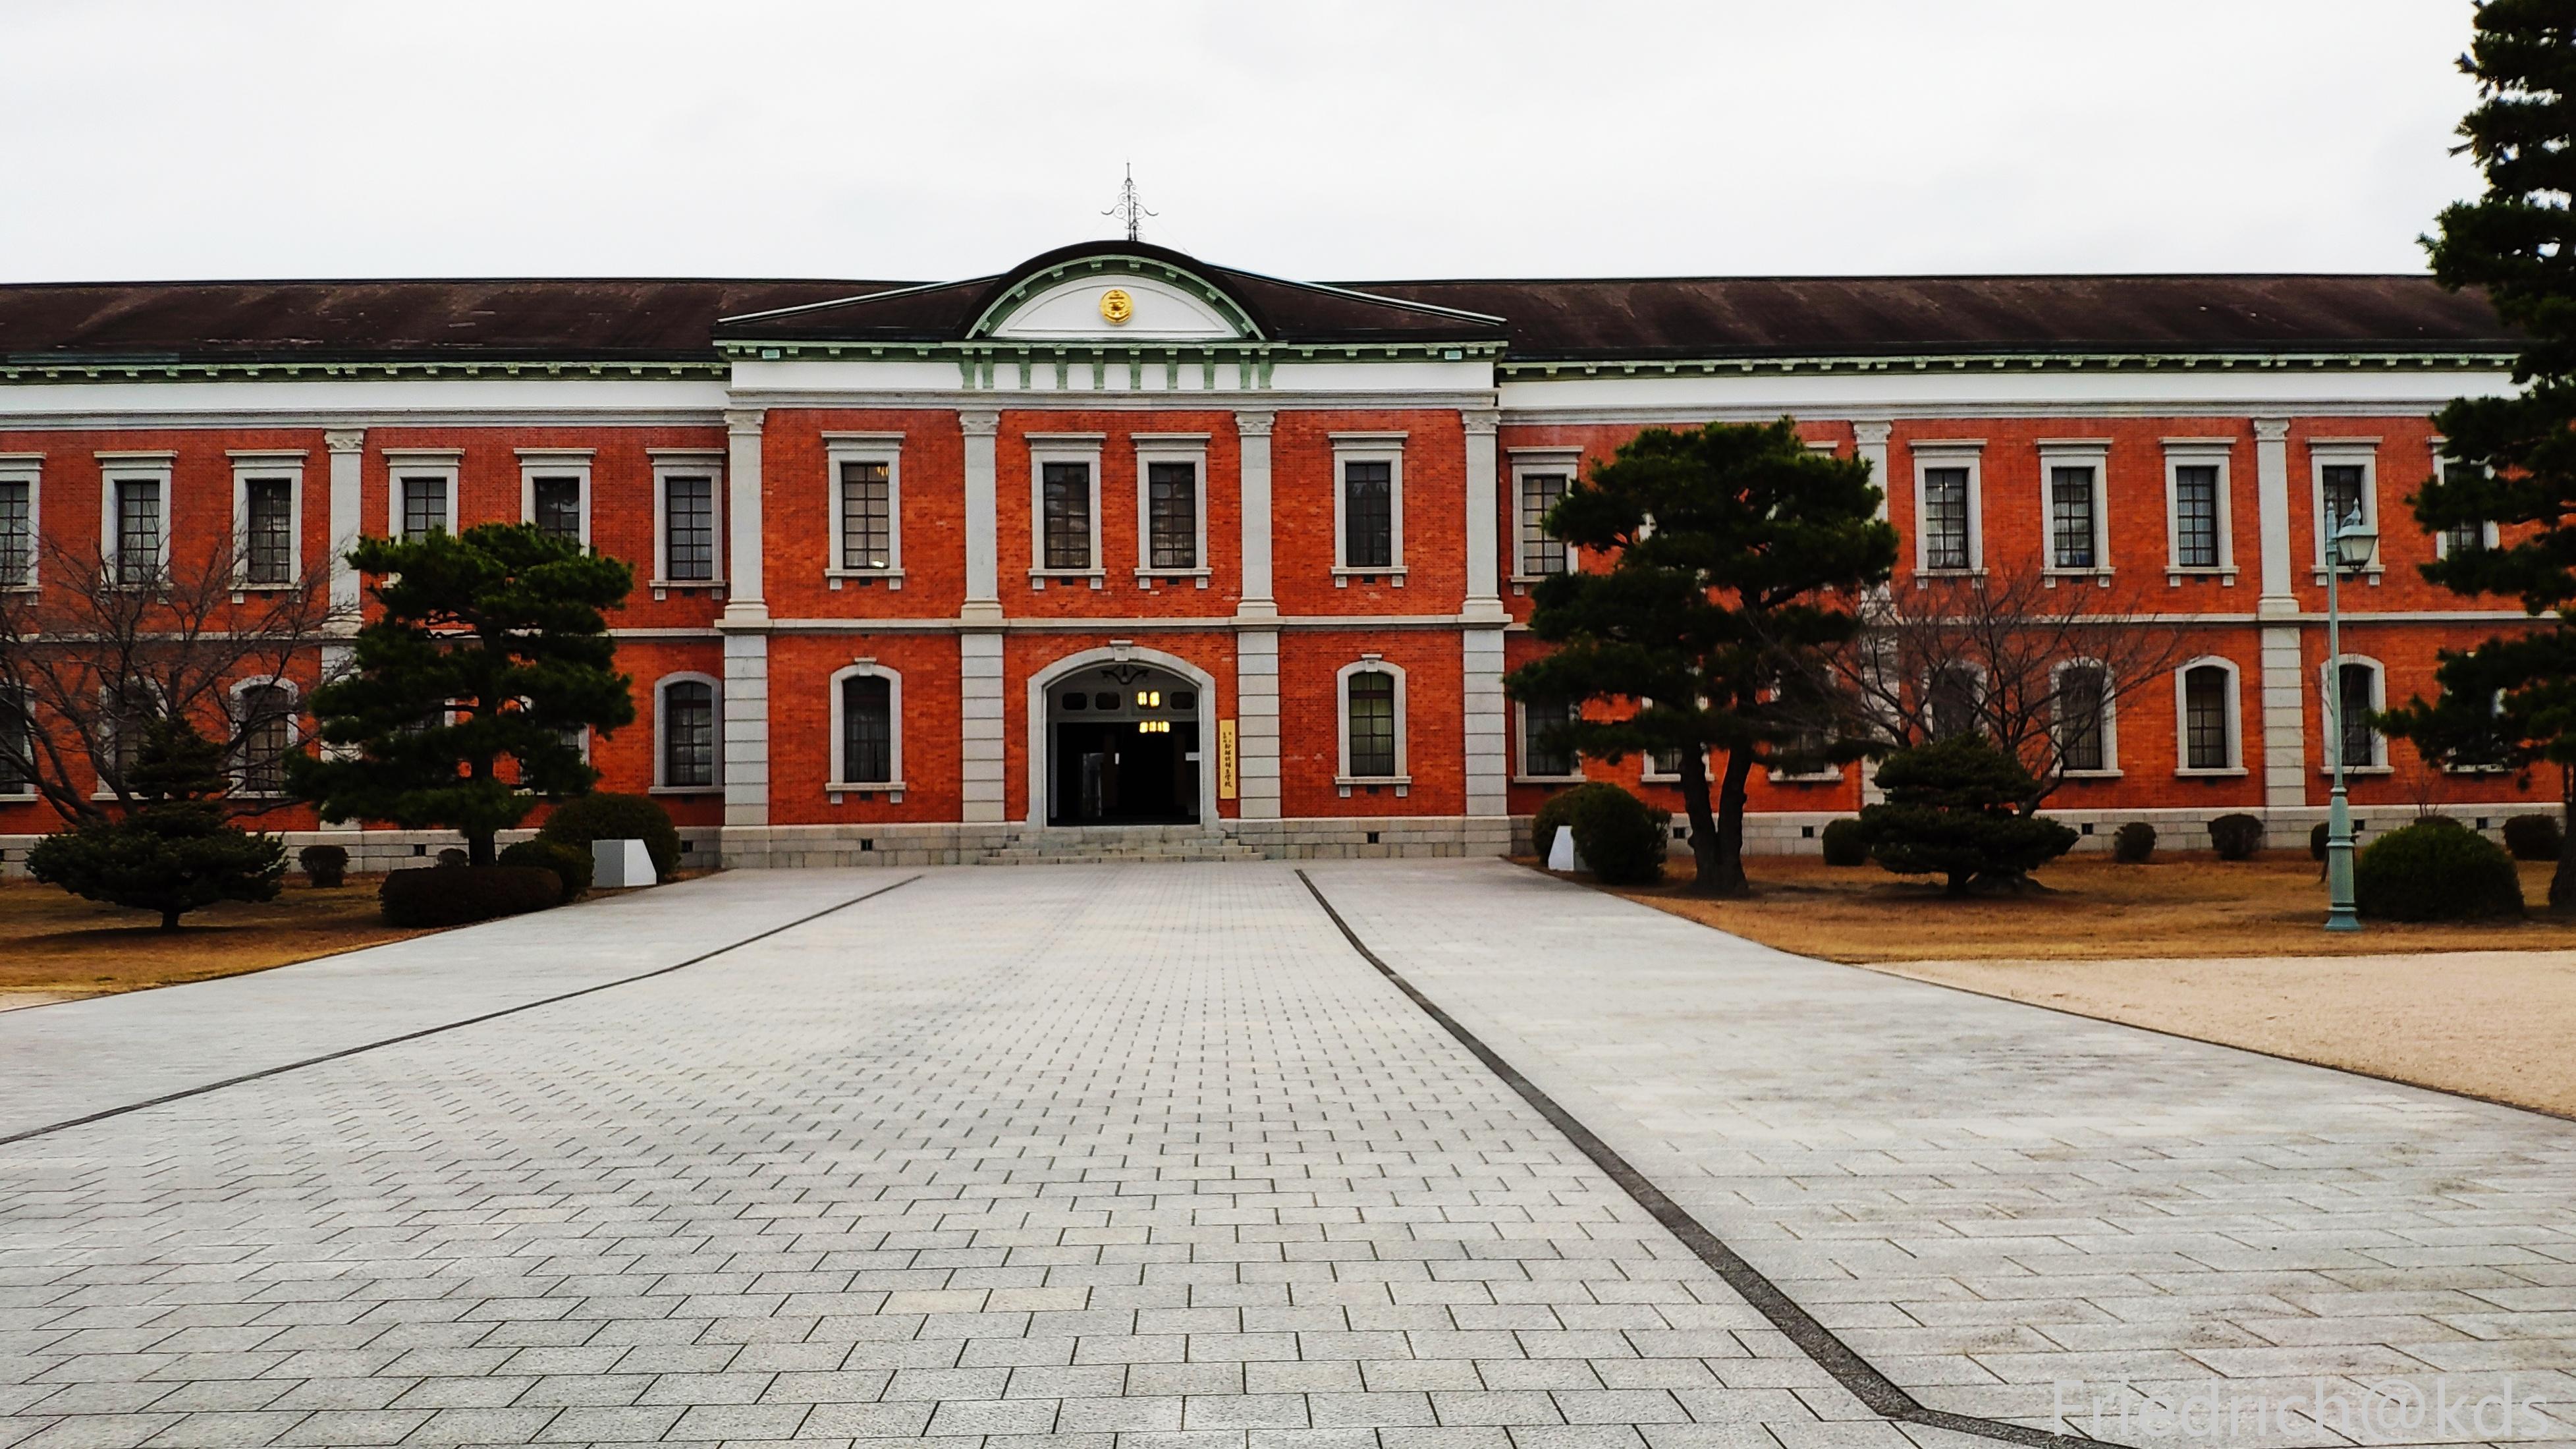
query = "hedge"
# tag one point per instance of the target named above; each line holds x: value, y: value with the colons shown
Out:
x: 2236, y: 837
x: 1846, y: 843
x: 1622, y: 838
x: 2133, y: 843
x: 2533, y: 837
x: 2435, y: 870
x: 572, y: 867
x: 456, y: 895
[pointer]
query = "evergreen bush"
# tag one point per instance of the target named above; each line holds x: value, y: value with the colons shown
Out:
x: 603, y: 815
x: 1952, y: 810
x: 457, y: 895
x: 1557, y: 811
x: 1846, y: 843
x: 175, y: 852
x: 2533, y: 837
x: 1621, y: 837
x: 325, y: 866
x: 2133, y: 843
x: 572, y: 867
x: 2435, y: 872
x: 2236, y: 837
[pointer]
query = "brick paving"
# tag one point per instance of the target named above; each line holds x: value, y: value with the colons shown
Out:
x: 1115, y: 1156
x: 1985, y: 1199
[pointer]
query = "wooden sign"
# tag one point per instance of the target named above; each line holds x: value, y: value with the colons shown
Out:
x: 1225, y: 759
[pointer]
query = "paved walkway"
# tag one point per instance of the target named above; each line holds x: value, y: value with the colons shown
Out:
x: 1147, y: 1156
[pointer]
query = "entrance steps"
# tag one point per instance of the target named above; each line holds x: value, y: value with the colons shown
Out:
x: 1097, y: 844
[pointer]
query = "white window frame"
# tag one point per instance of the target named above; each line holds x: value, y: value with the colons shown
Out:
x: 574, y: 463
x: 1527, y: 463
x: 25, y: 790
x: 250, y: 464
x: 669, y: 463
x: 1343, y: 779
x: 101, y: 752
x: 2489, y: 535
x: 1387, y: 448
x: 2092, y: 453
x: 1151, y: 448
x: 661, y: 733
x: 135, y: 467
x: 844, y: 448
x: 402, y: 463
x: 893, y: 788
x: 29, y: 468
x: 2329, y: 678
x: 1931, y: 453
x: 2183, y: 453
x: 2344, y: 452
x: 235, y: 718
x: 1045, y: 448
x: 2110, y: 718
x: 2235, y: 719
x: 1521, y: 751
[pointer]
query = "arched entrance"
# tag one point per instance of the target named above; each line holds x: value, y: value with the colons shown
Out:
x: 1121, y: 744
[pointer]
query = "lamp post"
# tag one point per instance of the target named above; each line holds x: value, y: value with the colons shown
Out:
x: 2352, y: 539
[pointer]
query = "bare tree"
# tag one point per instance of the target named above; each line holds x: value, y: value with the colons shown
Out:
x: 2035, y: 664
x: 103, y: 647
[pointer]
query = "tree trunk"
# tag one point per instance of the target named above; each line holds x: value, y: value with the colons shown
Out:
x: 479, y: 844
x: 1959, y: 882
x: 1722, y: 868
x: 1703, y: 822
x: 169, y: 918
x: 2562, y: 881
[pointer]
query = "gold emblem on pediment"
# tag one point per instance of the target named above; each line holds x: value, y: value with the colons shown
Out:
x: 1116, y: 306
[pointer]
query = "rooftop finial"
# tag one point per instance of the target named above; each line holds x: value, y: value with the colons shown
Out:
x: 1131, y: 207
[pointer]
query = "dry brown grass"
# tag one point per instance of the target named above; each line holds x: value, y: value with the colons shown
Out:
x: 2184, y: 905
x: 54, y: 945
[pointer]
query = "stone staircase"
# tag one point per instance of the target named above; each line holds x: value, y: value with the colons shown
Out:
x: 1096, y: 844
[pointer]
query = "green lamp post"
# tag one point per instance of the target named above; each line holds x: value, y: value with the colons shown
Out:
x: 2351, y: 540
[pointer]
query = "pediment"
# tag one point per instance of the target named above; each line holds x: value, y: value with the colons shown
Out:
x: 1109, y: 305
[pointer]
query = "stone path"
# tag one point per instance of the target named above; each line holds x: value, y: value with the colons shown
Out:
x: 1986, y: 1199
x: 1132, y: 1156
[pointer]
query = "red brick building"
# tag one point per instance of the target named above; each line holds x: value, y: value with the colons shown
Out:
x: 1123, y: 539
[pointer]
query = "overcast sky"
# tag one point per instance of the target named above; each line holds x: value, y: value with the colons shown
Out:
x: 939, y: 139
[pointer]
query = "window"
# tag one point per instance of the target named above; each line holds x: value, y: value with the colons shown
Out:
x: 867, y: 729
x: 2072, y: 518
x: 1665, y: 762
x: 2463, y: 537
x: 2083, y: 702
x: 1172, y: 515
x: 1542, y: 553
x: 689, y: 528
x: 1368, y: 701
x: 139, y: 536
x: 2345, y: 469
x: 555, y: 505
x: 1542, y: 757
x: 1945, y: 518
x: 1065, y: 508
x: 688, y: 734
x: 17, y: 747
x: 17, y: 530
x: 266, y: 722
x: 1368, y: 515
x: 867, y: 515
x: 2195, y: 519
x: 268, y: 530
x: 2356, y: 696
x: 128, y: 715
x: 2208, y: 720
x: 1952, y: 701
x: 2342, y: 485
x: 424, y: 507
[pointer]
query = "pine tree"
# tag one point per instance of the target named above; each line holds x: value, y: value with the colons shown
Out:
x: 2511, y: 701
x: 490, y: 650
x: 1734, y: 555
x: 174, y: 852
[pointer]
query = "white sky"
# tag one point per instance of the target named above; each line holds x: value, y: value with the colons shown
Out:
x: 1310, y: 138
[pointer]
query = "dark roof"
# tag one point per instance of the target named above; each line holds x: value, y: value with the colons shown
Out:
x: 568, y: 319
x: 1284, y: 311
x: 1587, y: 318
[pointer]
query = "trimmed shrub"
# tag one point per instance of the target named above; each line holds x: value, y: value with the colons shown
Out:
x: 457, y: 895
x: 325, y: 866
x: 452, y: 856
x: 1953, y: 810
x: 2533, y: 837
x: 175, y: 852
x: 1622, y: 838
x: 2435, y: 872
x: 1846, y: 843
x: 572, y: 867
x: 1557, y: 810
x: 2132, y: 843
x: 583, y: 819
x: 2236, y: 837
x: 2317, y: 842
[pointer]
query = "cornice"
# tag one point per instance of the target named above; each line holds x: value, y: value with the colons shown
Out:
x: 115, y: 370
x: 1537, y: 370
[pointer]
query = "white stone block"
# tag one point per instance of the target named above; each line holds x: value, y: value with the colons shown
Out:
x: 1561, y: 855
x: 620, y: 864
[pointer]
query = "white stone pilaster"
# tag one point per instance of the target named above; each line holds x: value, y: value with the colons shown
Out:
x: 2272, y: 500
x: 979, y: 713
x: 1252, y: 492
x: 2285, y: 730
x: 743, y: 534
x: 983, y: 549
x: 1256, y: 722
x: 746, y: 728
x: 348, y: 449
x: 1869, y: 440
x: 1488, y: 752
x: 1484, y: 506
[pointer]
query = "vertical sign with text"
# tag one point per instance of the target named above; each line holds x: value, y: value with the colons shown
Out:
x: 1225, y: 760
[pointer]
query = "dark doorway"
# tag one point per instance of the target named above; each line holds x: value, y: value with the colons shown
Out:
x: 1122, y: 749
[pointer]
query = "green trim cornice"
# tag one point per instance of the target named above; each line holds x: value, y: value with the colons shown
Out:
x: 1117, y: 264
x: 1556, y: 371
x: 115, y: 370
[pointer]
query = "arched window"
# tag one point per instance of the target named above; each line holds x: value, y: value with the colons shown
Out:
x: 1953, y: 701
x: 263, y: 734
x: 686, y: 732
x: 2082, y: 700
x: 1372, y: 721
x: 2205, y: 706
x: 867, y: 728
x: 2360, y: 691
